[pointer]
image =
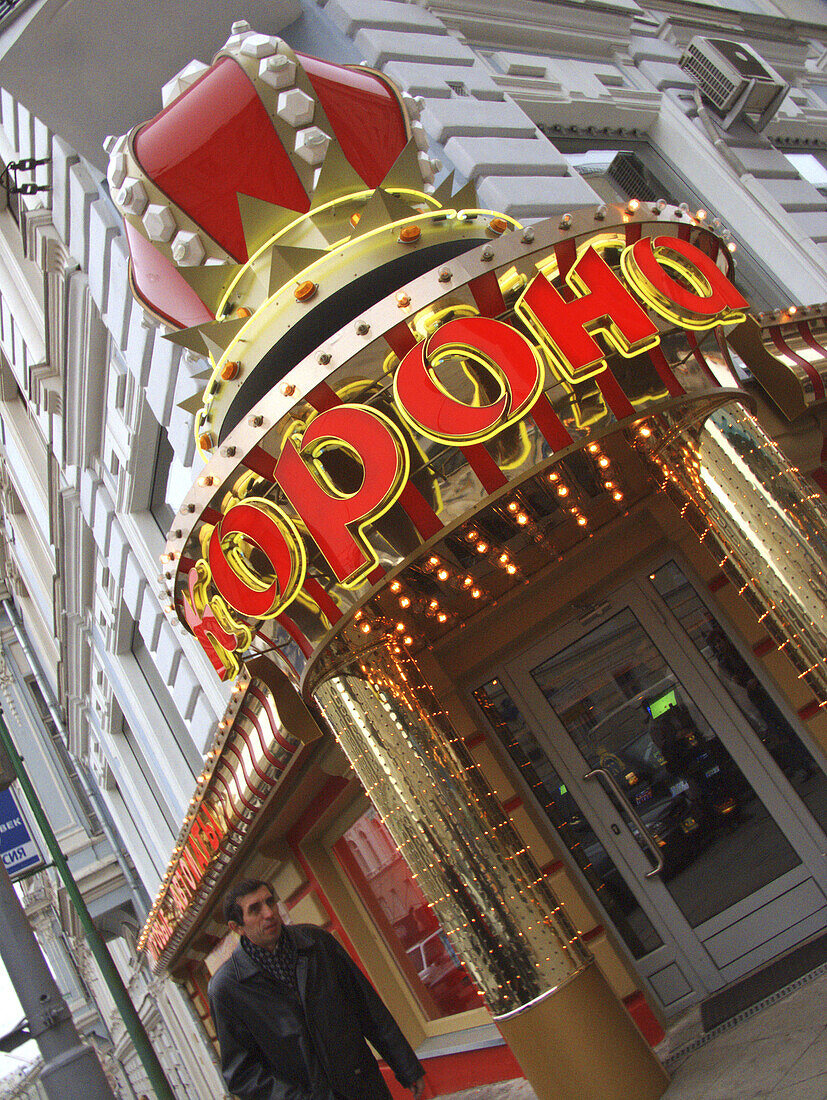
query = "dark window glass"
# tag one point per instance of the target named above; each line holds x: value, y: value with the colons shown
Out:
x: 409, y: 925
x: 761, y: 715
x: 619, y: 169
x: 626, y: 711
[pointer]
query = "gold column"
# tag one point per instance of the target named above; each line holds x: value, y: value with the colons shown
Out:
x: 508, y: 928
x: 755, y: 512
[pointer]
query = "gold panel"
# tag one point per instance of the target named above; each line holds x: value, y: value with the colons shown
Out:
x: 581, y: 1044
x: 509, y: 929
x: 758, y: 515
x: 788, y: 356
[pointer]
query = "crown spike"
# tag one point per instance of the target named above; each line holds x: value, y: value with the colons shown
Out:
x: 261, y: 220
x: 307, y: 235
x: 189, y: 338
x: 192, y: 404
x: 442, y: 194
x: 405, y: 171
x: 381, y: 209
x: 289, y: 263
x: 466, y: 198
x: 332, y: 227
x: 337, y: 178
x: 273, y: 273
x: 218, y: 335
x: 210, y: 282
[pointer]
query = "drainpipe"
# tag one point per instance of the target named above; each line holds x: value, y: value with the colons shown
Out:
x: 715, y: 136
x: 132, y: 1021
x: 69, y: 1067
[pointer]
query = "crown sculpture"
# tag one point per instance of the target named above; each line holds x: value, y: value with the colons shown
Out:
x: 385, y: 359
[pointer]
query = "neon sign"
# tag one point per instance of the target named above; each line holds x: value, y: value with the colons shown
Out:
x: 351, y: 463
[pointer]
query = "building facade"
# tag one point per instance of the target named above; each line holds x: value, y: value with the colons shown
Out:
x: 567, y: 659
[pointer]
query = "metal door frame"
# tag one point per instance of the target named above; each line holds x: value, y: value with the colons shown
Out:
x: 722, y: 714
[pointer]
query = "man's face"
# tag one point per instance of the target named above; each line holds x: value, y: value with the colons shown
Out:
x: 261, y: 923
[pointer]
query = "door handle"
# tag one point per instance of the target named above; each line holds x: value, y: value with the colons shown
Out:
x: 648, y: 839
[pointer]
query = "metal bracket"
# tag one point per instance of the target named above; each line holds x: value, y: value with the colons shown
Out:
x: 8, y: 177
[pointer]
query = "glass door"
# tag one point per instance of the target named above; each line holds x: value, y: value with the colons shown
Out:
x: 707, y: 856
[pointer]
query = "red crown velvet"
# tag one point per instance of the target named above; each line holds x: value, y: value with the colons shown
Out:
x: 216, y: 140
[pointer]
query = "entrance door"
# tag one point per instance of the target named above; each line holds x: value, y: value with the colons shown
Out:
x: 686, y: 797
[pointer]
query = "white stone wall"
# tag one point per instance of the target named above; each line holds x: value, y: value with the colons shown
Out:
x: 489, y: 73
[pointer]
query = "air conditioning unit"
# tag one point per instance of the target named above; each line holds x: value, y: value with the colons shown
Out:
x: 734, y: 79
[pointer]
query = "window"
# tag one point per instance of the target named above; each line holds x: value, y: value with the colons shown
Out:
x: 812, y: 168
x: 618, y: 175
x: 170, y: 484
x: 371, y: 860
x: 161, y: 693
x: 748, y: 688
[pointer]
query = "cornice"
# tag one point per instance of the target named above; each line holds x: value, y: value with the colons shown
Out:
x: 43, y: 245
x: 560, y: 29
x: 779, y: 39
x: 623, y: 110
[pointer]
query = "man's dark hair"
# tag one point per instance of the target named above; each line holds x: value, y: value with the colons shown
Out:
x: 232, y: 910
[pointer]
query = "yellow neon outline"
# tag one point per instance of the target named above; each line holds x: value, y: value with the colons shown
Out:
x: 400, y: 480
x: 523, y: 450
x: 511, y: 279
x: 601, y: 243
x: 248, y: 575
x: 354, y: 196
x: 240, y: 337
x: 454, y: 351
x: 427, y: 320
x: 477, y: 211
x: 605, y: 326
x: 665, y: 307
x: 216, y: 603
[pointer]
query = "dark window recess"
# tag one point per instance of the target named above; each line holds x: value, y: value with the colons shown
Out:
x: 159, y: 505
x: 164, y: 698
x: 619, y: 167
x: 457, y: 87
x: 93, y: 825
x: 13, y: 198
x: 633, y: 178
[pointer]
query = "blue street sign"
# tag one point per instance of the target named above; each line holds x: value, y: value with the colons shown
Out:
x: 17, y: 848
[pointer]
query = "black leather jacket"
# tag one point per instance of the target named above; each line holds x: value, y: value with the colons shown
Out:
x: 276, y: 1046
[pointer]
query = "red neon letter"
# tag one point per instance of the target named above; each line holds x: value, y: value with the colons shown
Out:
x: 219, y: 641
x: 256, y: 521
x: 713, y: 300
x: 603, y: 305
x: 335, y: 516
x: 499, y: 349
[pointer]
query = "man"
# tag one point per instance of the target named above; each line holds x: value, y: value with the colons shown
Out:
x: 292, y: 1012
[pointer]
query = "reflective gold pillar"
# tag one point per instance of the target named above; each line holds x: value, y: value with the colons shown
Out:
x: 509, y: 930
x: 754, y: 511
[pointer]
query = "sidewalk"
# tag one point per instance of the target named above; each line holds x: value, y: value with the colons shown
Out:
x: 779, y: 1053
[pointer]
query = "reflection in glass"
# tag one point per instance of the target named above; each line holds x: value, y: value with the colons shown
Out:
x: 627, y: 712
x: 760, y: 713
x: 388, y: 887
x: 565, y: 815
